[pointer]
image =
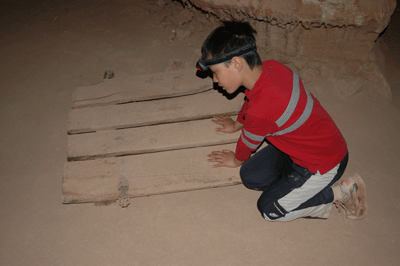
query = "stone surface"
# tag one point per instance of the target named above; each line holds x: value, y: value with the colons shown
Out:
x: 333, y: 32
x: 43, y: 59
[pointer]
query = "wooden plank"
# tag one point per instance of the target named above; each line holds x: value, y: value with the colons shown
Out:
x: 140, y: 88
x: 148, y: 174
x: 147, y: 139
x: 198, y: 106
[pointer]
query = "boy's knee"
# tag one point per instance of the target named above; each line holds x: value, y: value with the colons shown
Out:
x: 244, y: 175
x: 249, y: 179
x: 253, y: 179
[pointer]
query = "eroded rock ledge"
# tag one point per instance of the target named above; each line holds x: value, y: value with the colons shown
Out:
x: 314, y: 34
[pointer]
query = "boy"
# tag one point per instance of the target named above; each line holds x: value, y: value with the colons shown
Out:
x: 306, y: 153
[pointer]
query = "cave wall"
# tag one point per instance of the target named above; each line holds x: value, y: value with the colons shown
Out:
x: 340, y: 34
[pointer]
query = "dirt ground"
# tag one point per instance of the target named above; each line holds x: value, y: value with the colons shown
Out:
x: 48, y: 48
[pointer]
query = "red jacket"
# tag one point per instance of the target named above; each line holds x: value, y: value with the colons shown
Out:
x: 313, y: 140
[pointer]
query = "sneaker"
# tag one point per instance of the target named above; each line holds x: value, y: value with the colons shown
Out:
x: 353, y: 202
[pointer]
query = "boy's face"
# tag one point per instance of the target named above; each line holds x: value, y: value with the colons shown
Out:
x: 227, y: 77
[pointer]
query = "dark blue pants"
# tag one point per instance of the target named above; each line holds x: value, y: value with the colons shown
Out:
x: 290, y: 191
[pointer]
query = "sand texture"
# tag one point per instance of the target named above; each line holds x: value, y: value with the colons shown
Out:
x: 50, y: 48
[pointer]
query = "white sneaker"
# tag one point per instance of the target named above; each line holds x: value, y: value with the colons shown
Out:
x: 353, y: 202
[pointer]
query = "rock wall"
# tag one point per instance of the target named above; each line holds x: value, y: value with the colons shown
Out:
x: 327, y: 37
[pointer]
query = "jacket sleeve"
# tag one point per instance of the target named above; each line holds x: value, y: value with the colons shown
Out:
x: 253, y: 134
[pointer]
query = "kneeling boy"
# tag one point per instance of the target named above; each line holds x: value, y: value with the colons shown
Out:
x: 306, y: 153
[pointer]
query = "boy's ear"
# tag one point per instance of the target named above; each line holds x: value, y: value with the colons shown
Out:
x: 237, y: 63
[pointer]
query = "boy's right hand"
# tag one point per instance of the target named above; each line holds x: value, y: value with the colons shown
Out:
x: 224, y: 158
x: 227, y: 123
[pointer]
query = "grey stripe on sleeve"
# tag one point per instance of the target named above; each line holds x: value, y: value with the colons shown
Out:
x: 304, y: 116
x: 292, y: 103
x: 248, y: 144
x: 253, y: 136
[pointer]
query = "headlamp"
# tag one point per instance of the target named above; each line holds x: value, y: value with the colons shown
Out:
x: 203, y: 64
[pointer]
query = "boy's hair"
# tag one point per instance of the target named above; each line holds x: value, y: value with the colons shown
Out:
x: 230, y: 37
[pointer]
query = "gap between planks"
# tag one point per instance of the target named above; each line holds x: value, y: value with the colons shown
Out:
x: 191, y: 107
x: 113, y: 143
x: 147, y: 174
x: 140, y: 88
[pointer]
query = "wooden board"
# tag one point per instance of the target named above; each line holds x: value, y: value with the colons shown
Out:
x: 148, y: 174
x: 147, y: 139
x: 140, y: 88
x: 160, y: 136
x: 198, y: 106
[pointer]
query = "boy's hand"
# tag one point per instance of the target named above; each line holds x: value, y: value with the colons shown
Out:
x: 224, y: 158
x: 227, y: 123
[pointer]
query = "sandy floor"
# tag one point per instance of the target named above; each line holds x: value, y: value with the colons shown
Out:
x: 48, y: 49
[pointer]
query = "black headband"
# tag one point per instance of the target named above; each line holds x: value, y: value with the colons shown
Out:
x: 203, y: 64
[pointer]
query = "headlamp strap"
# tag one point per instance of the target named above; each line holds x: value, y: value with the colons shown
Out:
x: 228, y: 56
